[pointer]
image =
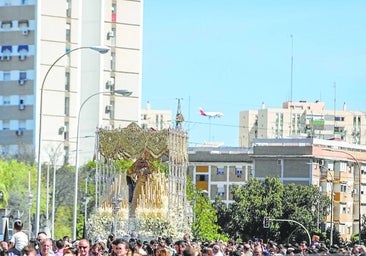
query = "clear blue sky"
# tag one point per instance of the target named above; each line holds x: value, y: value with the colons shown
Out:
x: 231, y: 56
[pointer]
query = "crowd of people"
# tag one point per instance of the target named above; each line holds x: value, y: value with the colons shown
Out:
x: 19, y: 245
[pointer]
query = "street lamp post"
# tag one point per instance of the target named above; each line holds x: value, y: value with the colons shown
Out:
x: 124, y: 93
x: 99, y: 49
x: 359, y: 186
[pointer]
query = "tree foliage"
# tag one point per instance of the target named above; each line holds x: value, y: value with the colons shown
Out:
x: 253, y: 201
x: 204, y: 226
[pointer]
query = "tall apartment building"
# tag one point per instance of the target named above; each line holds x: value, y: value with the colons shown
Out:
x: 155, y: 119
x: 45, y: 51
x: 302, y: 119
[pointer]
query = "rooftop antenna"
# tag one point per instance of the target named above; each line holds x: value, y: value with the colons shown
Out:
x: 291, y: 81
x: 292, y: 65
x: 179, y: 116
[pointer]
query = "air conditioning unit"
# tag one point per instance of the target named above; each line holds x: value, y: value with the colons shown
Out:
x: 61, y: 130
x: 108, y: 108
x: 21, y: 81
x: 110, y: 83
x: 19, y: 132
x: 22, y: 57
x: 25, y: 32
x: 321, y: 162
x: 21, y: 106
x: 8, y: 57
x: 110, y: 34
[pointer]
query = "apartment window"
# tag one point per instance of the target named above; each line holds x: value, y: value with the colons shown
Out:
x: 220, y: 190
x: 343, y: 188
x: 220, y: 171
x: 23, y: 23
x: 68, y: 58
x: 6, y: 50
x: 67, y: 106
x: 23, y: 75
x: 201, y: 177
x: 111, y: 113
x: 6, y: 125
x: 67, y: 81
x: 6, y: 25
x: 339, y: 118
x: 68, y: 32
x: 6, y: 100
x: 113, y: 61
x: 238, y: 172
x: 23, y: 51
x: 68, y: 8
x: 114, y: 15
x: 6, y: 76
x: 66, y: 132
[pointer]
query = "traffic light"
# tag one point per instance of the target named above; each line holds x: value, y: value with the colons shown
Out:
x: 266, y: 222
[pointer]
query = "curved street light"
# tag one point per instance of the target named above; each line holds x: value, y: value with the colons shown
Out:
x: 99, y: 49
x: 124, y: 93
x: 359, y: 186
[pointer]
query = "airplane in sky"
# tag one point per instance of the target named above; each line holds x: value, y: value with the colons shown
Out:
x: 210, y: 114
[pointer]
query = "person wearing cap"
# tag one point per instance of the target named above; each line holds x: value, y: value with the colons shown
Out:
x: 19, y: 240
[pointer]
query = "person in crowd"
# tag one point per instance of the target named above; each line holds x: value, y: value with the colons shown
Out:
x: 59, y: 246
x: 68, y: 251
x: 189, y: 251
x: 19, y: 240
x: 29, y: 251
x: 45, y: 248
x: 4, y: 249
x: 122, y: 248
x: 258, y: 250
x: 83, y: 247
x: 40, y: 237
x: 139, y: 248
x: 179, y: 247
x: 97, y: 249
x: 217, y: 250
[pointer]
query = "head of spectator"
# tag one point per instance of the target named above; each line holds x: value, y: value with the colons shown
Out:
x: 122, y: 247
x: 45, y: 247
x: 29, y: 251
x: 83, y: 247
x: 180, y: 246
x: 40, y: 236
x: 4, y: 246
x: 258, y: 251
x: 69, y: 251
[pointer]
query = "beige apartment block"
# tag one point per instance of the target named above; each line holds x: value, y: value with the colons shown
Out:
x: 49, y: 72
x: 155, y: 119
x: 338, y: 168
x: 216, y: 169
x: 300, y: 120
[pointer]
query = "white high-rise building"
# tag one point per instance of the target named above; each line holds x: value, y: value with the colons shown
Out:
x: 302, y: 119
x: 35, y: 37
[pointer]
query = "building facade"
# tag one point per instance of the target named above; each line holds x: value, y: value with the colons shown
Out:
x: 217, y: 169
x: 302, y: 119
x: 50, y: 73
x: 337, y: 168
x: 155, y: 119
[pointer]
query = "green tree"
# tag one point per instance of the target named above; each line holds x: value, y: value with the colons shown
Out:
x: 257, y: 199
x: 204, y: 226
